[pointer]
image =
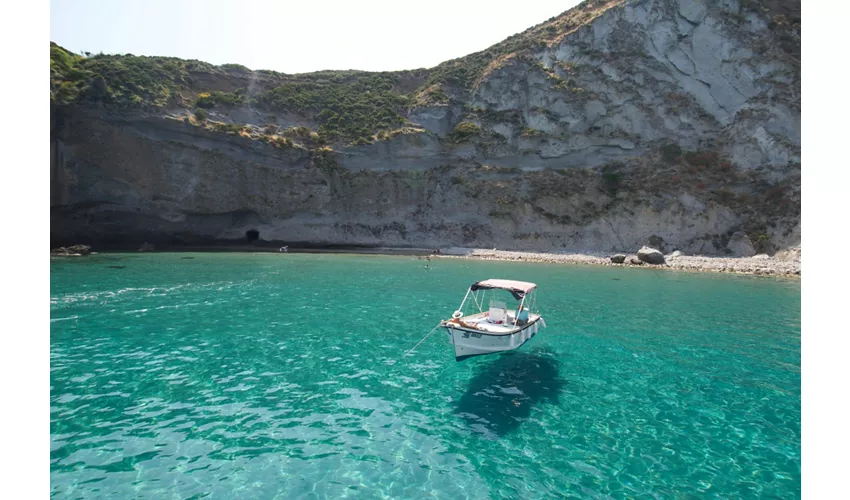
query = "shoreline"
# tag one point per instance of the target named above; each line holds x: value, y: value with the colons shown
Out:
x: 261, y: 248
x: 784, y: 264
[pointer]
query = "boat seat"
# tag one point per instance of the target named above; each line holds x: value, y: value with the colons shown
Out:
x: 498, y: 312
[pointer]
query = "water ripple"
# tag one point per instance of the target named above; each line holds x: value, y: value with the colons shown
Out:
x: 204, y: 377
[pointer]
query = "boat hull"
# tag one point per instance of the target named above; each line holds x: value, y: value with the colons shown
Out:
x: 470, y: 342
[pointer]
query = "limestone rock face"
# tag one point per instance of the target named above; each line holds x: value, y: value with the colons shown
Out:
x: 740, y: 245
x: 668, y: 121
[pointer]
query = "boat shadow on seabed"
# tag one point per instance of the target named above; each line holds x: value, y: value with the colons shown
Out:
x: 501, y: 396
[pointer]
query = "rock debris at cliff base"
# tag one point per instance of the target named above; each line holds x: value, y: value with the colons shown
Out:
x: 785, y: 263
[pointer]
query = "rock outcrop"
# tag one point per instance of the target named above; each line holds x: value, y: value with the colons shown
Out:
x: 73, y: 250
x: 615, y: 124
x: 650, y: 256
x: 618, y: 259
x: 740, y: 245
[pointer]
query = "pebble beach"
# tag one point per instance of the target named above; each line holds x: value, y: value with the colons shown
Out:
x: 784, y: 263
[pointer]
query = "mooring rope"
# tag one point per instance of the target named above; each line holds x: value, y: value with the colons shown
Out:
x: 423, y: 340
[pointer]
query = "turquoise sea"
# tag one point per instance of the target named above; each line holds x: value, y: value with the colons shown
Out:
x: 281, y: 376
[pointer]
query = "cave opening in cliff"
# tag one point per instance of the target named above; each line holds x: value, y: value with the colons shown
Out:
x: 252, y: 235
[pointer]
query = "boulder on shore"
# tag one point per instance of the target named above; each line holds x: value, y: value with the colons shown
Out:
x: 635, y: 262
x: 650, y: 256
x: 618, y: 259
x: 72, y: 250
x: 146, y: 247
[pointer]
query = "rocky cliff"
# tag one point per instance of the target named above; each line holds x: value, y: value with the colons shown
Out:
x: 616, y: 124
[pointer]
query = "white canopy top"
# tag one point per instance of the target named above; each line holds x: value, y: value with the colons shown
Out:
x: 517, y: 288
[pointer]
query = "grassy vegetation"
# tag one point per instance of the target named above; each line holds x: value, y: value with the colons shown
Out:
x: 432, y: 95
x: 235, y: 67
x: 347, y: 105
x: 344, y: 107
x: 67, y: 79
x: 123, y: 80
x: 463, y: 73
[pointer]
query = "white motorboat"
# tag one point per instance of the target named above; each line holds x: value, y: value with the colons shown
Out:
x: 499, y: 328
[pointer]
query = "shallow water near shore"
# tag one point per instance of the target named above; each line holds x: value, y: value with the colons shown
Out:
x: 280, y: 375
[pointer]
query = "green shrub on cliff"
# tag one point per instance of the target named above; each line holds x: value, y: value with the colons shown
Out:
x: 464, y: 131
x: 228, y: 128
x: 204, y: 100
x: 531, y: 132
x: 301, y: 132
x: 670, y: 152
x: 611, y: 178
x: 361, y: 141
x: 305, y: 136
x: 278, y: 141
x: 211, y: 99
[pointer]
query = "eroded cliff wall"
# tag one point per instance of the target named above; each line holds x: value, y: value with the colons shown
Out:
x: 671, y: 122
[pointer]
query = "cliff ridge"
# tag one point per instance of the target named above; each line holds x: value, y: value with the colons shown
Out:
x: 611, y: 126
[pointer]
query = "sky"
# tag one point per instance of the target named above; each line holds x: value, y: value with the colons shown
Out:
x: 296, y: 36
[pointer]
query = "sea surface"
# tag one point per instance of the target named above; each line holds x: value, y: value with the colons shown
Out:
x: 282, y: 376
